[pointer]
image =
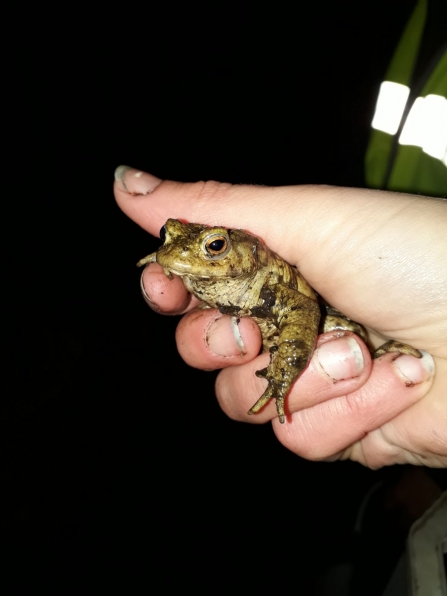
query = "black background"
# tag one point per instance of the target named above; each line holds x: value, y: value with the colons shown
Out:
x: 111, y: 473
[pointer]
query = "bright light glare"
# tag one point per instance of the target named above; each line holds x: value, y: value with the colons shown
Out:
x: 390, y: 107
x: 426, y: 126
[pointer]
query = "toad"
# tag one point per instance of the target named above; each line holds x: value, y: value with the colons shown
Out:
x: 235, y: 272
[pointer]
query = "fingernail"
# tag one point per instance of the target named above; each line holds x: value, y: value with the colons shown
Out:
x: 224, y: 338
x: 415, y: 370
x: 134, y: 181
x: 152, y: 304
x: 340, y: 359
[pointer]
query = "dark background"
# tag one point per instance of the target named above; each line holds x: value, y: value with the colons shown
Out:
x: 100, y: 484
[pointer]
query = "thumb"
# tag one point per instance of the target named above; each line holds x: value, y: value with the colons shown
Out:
x: 278, y: 215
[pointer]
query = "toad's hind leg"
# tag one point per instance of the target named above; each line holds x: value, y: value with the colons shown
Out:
x: 298, y: 330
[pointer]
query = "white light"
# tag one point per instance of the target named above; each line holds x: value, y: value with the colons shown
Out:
x: 426, y: 126
x: 413, y: 131
x: 390, y: 107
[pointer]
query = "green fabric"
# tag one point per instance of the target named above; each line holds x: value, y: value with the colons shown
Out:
x: 413, y: 170
x: 437, y: 83
x: 402, y: 64
x: 416, y: 172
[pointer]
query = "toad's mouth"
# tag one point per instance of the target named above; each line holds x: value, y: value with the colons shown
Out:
x: 170, y: 271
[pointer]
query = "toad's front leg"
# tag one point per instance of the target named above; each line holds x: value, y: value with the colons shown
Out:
x: 298, y: 330
x: 152, y: 258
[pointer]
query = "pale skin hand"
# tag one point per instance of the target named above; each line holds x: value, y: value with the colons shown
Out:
x: 380, y: 258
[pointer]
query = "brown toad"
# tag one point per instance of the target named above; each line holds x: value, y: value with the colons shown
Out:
x: 238, y: 274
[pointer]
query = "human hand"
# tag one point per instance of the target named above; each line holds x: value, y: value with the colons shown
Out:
x: 378, y: 257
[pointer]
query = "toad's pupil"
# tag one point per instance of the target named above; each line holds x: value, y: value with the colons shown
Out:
x: 163, y: 233
x: 216, y: 245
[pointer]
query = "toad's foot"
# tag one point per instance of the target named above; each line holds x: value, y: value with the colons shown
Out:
x: 270, y: 393
x: 286, y: 366
x: 396, y: 346
x: 152, y: 258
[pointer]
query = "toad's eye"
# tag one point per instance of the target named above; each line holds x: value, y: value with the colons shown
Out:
x: 217, y: 246
x: 163, y: 233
